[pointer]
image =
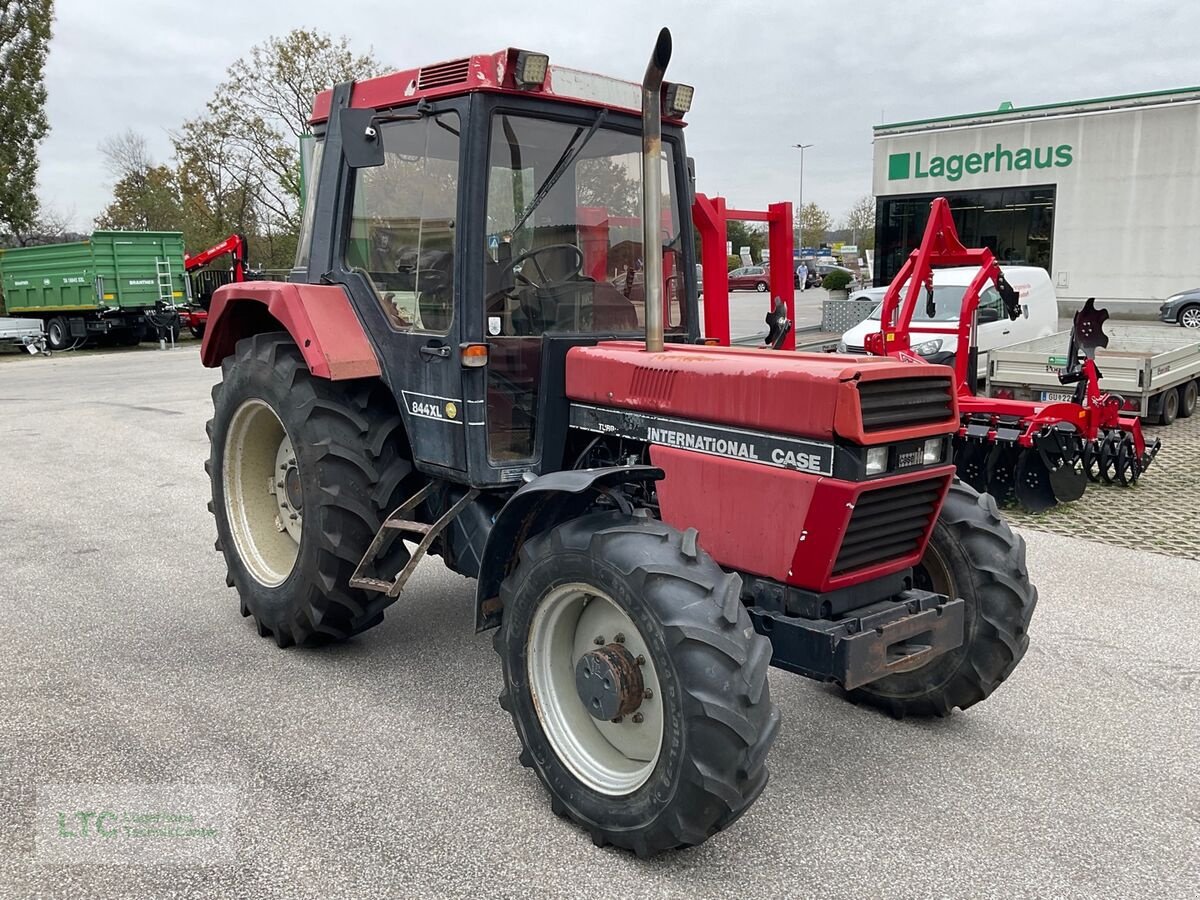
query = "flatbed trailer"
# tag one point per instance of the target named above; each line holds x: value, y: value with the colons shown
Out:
x: 1154, y: 368
x: 24, y: 333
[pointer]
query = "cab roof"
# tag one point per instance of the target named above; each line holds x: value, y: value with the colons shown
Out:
x: 493, y: 72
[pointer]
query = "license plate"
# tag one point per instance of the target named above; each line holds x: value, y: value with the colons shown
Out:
x: 1055, y: 397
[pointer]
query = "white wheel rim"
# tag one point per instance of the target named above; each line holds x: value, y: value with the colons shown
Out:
x: 258, y: 465
x: 612, y: 758
x: 1191, y: 318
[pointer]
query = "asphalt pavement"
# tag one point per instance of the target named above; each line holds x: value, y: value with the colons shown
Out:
x: 384, y: 767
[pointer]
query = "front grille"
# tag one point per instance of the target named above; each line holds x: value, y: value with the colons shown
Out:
x: 905, y: 401
x: 442, y: 74
x: 888, y: 523
x: 856, y: 350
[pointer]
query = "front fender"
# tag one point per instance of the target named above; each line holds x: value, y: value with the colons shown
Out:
x: 537, y: 506
x: 319, y: 318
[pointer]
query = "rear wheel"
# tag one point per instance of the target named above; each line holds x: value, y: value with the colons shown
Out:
x: 760, y: 286
x: 1188, y: 394
x: 973, y: 555
x: 303, y: 471
x: 58, y: 334
x: 1168, y: 407
x: 636, y: 682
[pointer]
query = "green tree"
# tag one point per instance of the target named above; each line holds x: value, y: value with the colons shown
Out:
x: 245, y: 149
x: 860, y: 221
x: 24, y: 38
x: 813, y: 222
x: 145, y: 195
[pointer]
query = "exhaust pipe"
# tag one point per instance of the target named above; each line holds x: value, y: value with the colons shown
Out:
x: 652, y: 190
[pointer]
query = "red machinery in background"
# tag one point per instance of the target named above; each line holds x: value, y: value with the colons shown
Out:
x: 205, y: 281
x: 1037, y: 454
x: 710, y: 215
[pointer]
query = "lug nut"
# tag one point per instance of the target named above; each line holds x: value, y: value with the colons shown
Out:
x: 638, y: 718
x: 283, y: 467
x: 641, y: 660
x: 647, y: 694
x: 620, y: 638
x: 598, y: 640
x: 618, y: 720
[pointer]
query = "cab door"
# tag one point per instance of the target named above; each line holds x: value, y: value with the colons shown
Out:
x: 406, y: 265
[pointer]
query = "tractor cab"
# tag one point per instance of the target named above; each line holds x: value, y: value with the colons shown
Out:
x: 493, y: 220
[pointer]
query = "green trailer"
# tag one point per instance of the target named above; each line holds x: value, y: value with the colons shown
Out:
x: 105, y: 285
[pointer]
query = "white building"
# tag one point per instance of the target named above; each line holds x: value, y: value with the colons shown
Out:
x: 1104, y: 194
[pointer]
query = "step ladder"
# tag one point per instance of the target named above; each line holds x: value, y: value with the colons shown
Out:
x: 397, y: 524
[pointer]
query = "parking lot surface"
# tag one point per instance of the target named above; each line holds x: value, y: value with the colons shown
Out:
x: 384, y: 767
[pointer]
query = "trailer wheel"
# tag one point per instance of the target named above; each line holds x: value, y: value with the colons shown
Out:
x: 636, y: 682
x: 1188, y: 394
x: 303, y: 471
x: 58, y: 334
x: 1168, y: 407
x: 973, y: 554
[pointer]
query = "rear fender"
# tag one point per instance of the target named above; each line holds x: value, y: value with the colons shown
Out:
x: 539, y: 505
x: 319, y: 318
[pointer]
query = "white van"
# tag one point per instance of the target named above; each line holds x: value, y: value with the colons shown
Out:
x: 1039, y: 314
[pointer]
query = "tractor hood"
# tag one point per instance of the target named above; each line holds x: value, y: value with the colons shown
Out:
x: 860, y: 399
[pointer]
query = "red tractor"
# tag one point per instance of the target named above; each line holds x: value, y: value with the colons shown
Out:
x: 1034, y: 453
x: 453, y: 368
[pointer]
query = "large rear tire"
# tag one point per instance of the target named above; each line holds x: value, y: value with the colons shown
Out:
x: 303, y: 471
x: 973, y: 554
x: 58, y: 334
x: 689, y: 759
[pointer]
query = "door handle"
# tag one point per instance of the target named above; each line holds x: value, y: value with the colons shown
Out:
x: 435, y: 351
x: 1004, y: 332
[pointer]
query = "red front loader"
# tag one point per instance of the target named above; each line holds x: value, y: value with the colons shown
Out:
x: 461, y: 364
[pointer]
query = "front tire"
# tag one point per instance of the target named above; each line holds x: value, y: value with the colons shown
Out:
x: 303, y: 471
x: 1189, y: 316
x: 973, y: 554
x: 690, y: 758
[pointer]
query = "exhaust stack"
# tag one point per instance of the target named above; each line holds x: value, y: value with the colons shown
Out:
x: 652, y: 190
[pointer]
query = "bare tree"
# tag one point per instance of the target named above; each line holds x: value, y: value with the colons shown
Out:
x: 125, y: 154
x: 860, y: 220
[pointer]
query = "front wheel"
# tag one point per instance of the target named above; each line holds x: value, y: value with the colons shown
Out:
x: 1190, y: 317
x: 636, y: 681
x: 973, y: 555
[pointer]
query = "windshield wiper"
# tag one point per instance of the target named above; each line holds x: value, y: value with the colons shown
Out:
x: 569, y: 155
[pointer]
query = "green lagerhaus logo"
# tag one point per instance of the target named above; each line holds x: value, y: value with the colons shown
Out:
x: 902, y: 166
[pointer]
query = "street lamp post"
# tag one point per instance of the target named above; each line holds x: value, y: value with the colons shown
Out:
x: 801, y: 148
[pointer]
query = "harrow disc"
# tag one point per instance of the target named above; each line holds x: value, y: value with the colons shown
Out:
x: 1032, y: 486
x: 972, y: 459
x: 1091, y: 460
x: 1128, y: 469
x: 1001, y: 473
x: 1069, y: 481
x: 1107, y: 456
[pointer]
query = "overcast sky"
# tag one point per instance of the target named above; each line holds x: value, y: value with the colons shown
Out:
x: 767, y: 74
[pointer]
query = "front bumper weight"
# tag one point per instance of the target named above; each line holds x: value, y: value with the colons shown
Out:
x: 895, y: 635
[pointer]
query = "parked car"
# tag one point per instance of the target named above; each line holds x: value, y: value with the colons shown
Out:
x: 824, y: 269
x: 749, y: 278
x: 814, y: 277
x: 1039, y: 314
x: 1182, y: 309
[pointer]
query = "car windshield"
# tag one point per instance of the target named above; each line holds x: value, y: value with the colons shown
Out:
x: 947, y: 301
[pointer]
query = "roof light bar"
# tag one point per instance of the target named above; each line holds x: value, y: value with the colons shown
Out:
x: 531, y: 69
x: 677, y: 99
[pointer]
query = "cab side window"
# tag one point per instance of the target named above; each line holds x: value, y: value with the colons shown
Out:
x: 402, y: 229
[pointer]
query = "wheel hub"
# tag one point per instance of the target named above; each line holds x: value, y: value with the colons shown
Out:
x: 609, y: 682
x: 291, y: 485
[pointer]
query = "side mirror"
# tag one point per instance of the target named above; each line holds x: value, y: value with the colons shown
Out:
x: 362, y: 139
x: 988, y: 314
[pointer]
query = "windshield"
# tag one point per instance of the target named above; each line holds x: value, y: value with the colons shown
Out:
x: 564, y: 230
x: 947, y: 301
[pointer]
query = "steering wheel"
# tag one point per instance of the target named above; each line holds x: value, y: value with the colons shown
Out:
x: 532, y: 257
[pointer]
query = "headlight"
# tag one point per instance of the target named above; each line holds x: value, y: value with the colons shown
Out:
x: 877, y: 458
x: 932, y: 452
x: 841, y: 346
x: 928, y: 348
